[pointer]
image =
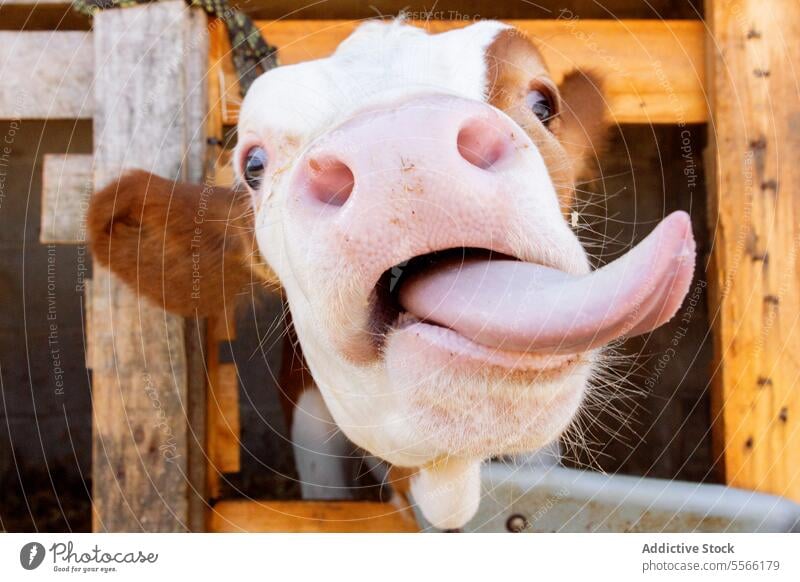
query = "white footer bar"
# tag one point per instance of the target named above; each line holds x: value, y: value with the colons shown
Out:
x: 406, y: 557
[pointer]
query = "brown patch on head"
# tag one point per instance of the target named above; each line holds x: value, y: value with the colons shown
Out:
x: 572, y: 135
x: 513, y: 63
x: 188, y: 247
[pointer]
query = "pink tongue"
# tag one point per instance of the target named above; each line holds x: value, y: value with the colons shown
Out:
x: 530, y: 308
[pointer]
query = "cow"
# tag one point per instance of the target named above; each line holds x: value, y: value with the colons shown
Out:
x: 410, y: 196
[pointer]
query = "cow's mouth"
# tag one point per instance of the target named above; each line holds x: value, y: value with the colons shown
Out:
x: 387, y: 310
x: 497, y: 302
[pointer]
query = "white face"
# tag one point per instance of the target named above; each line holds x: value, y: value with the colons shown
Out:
x: 374, y: 161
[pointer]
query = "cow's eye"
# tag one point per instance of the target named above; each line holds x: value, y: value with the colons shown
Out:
x: 541, y: 104
x: 255, y: 164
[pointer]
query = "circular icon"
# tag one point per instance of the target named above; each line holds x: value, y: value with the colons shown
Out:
x: 31, y: 555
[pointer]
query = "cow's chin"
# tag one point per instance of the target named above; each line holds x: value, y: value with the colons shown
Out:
x: 475, y: 402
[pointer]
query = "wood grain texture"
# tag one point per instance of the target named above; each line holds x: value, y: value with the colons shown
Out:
x: 140, y: 358
x: 88, y: 310
x: 755, y: 227
x: 222, y: 409
x: 310, y: 516
x: 227, y: 427
x: 473, y: 9
x: 213, y: 474
x: 66, y: 190
x: 196, y: 332
x: 196, y: 108
x: 654, y: 70
x: 195, y: 61
x: 46, y: 75
x: 32, y: 15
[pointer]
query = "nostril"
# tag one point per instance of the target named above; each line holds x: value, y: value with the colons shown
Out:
x: 330, y: 181
x: 482, y: 143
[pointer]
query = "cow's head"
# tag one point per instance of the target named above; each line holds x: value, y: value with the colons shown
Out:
x: 410, y: 195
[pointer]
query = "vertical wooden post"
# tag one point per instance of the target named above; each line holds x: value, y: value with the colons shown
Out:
x: 754, y: 134
x: 150, y: 93
x: 222, y: 412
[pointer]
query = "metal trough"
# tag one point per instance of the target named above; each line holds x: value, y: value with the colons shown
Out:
x: 557, y: 499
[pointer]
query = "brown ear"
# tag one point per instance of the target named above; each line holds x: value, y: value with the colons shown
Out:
x: 582, y: 127
x: 187, y: 247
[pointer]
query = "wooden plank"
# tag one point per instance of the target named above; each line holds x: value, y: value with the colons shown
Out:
x: 213, y: 474
x: 140, y: 381
x: 196, y: 333
x: 755, y: 229
x: 87, y: 322
x: 196, y: 108
x: 31, y: 15
x: 223, y: 434
x: 310, y: 516
x: 66, y: 188
x: 68, y: 178
x: 471, y: 9
x: 46, y: 75
x: 195, y: 62
x: 62, y: 3
x: 654, y: 70
x: 224, y: 407
x: 215, y: 78
x: 217, y: 34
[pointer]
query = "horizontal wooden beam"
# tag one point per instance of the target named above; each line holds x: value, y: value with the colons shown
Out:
x: 31, y: 15
x: 46, y: 75
x: 310, y: 517
x: 64, y: 3
x: 654, y: 71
